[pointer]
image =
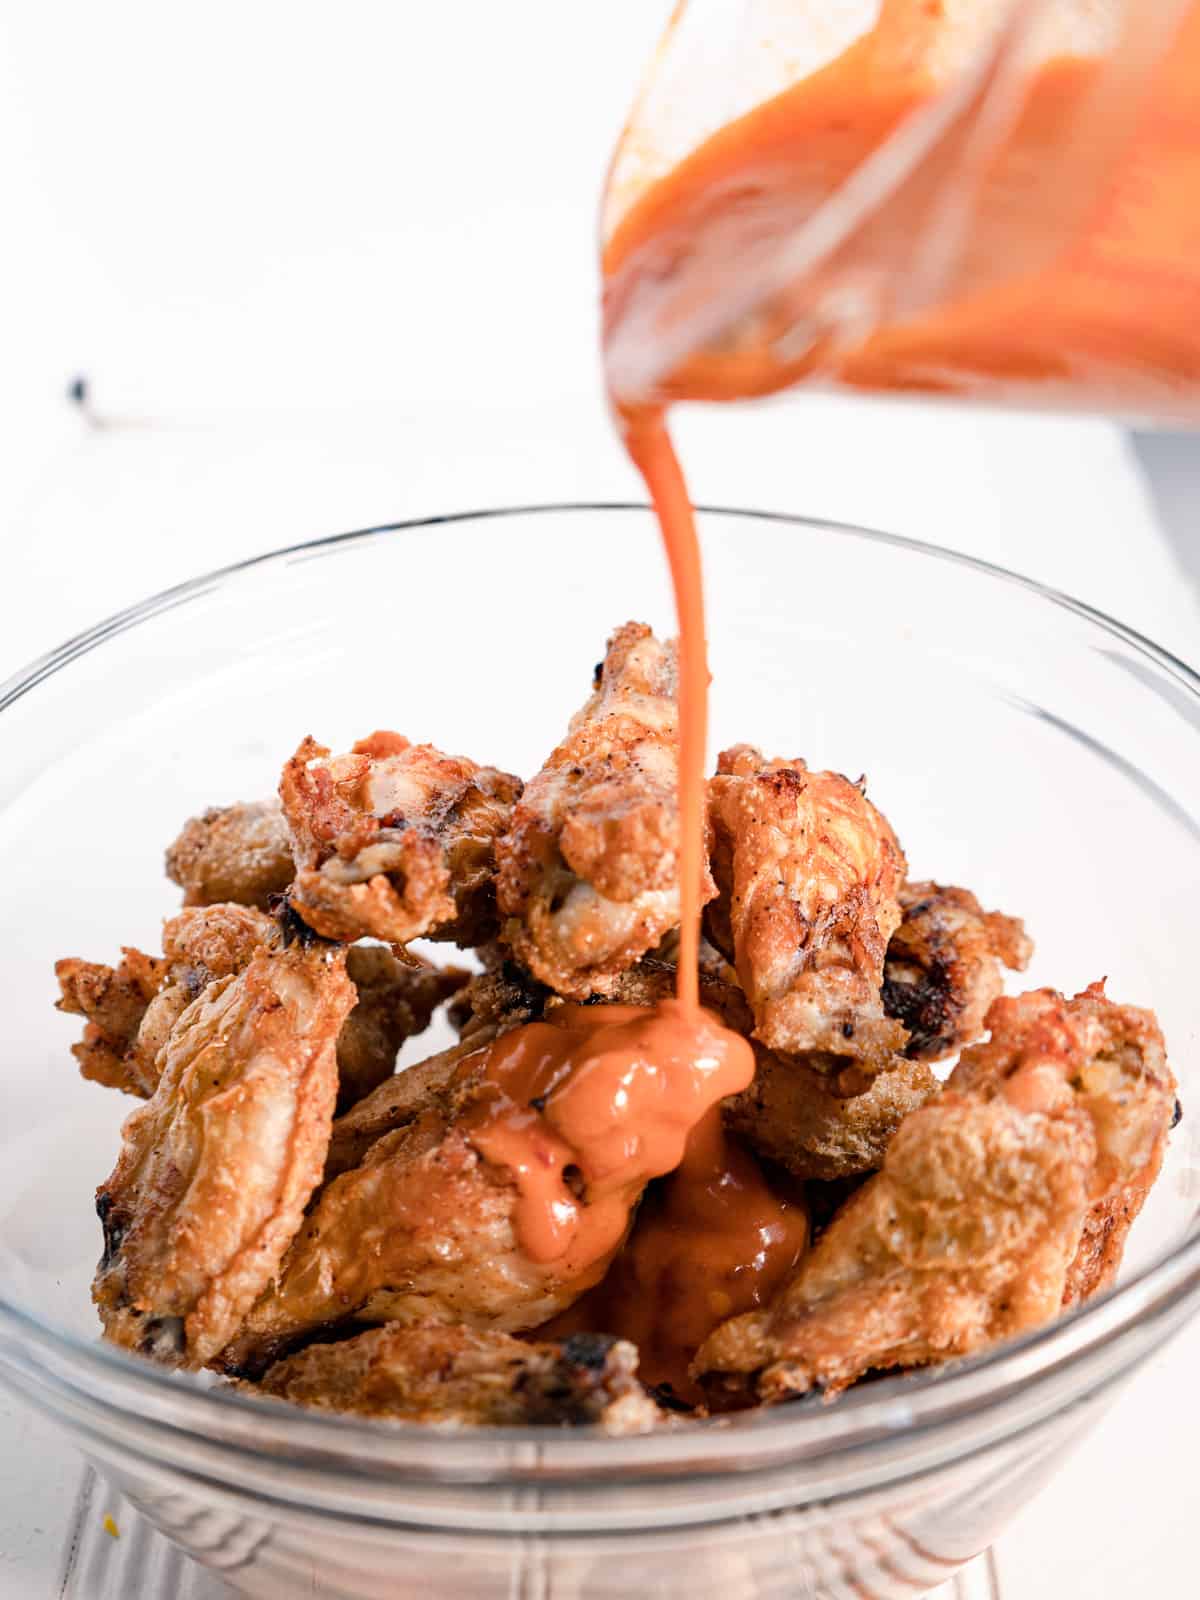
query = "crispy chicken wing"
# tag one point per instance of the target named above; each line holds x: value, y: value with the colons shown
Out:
x: 588, y: 878
x: 808, y: 873
x: 395, y: 841
x: 131, y: 1008
x: 942, y: 970
x: 217, y: 1167
x: 239, y: 853
x: 561, y: 1126
x: 793, y: 1114
x: 400, y: 1100
x: 502, y: 996
x: 423, y: 1228
x: 396, y: 1000
x: 1114, y: 1059
x: 980, y: 1224
x: 436, y: 1372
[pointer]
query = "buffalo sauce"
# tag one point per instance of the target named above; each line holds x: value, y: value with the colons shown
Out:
x: 712, y: 1240
x: 1044, y: 249
x: 585, y: 1108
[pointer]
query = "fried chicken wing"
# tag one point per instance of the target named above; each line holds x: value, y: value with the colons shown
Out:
x: 423, y: 1228
x: 502, y: 996
x: 793, y: 1114
x: 131, y: 1008
x: 808, y: 873
x: 399, y: 1101
x: 396, y: 1001
x: 459, y: 1376
x: 395, y: 841
x: 942, y: 969
x: 216, y: 1169
x: 1114, y: 1059
x: 239, y: 853
x: 998, y: 1202
x: 588, y: 878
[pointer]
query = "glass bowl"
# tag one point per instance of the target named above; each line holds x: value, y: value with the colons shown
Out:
x: 1022, y: 745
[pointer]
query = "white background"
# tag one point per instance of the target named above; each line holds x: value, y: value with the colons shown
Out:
x: 328, y: 266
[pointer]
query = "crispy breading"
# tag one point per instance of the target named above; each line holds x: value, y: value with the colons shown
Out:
x: 396, y: 1001
x: 998, y: 1202
x: 216, y: 1169
x: 502, y: 996
x: 793, y: 1114
x: 400, y: 1100
x: 239, y: 853
x: 395, y: 841
x: 422, y: 1229
x: 131, y: 1008
x: 942, y: 969
x: 808, y: 873
x: 1116, y: 1062
x: 588, y: 871
x: 459, y: 1376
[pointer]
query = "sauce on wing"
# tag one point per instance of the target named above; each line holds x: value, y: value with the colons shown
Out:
x: 714, y: 1239
x: 1079, y: 284
x: 586, y: 1108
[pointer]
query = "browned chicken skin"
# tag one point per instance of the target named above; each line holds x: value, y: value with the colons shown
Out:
x: 216, y: 1168
x: 395, y: 841
x: 942, y: 970
x: 808, y: 873
x: 588, y: 878
x: 399, y: 1101
x: 793, y: 1114
x: 983, y: 1220
x: 422, y: 1229
x: 396, y: 1001
x: 239, y: 853
x: 1119, y: 1075
x: 131, y: 1008
x: 436, y: 1372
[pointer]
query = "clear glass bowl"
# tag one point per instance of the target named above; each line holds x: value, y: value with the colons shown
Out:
x: 1022, y: 744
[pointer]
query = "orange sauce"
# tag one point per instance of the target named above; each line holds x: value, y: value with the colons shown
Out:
x: 586, y: 1108
x: 1079, y: 284
x: 712, y: 1240
x: 1076, y: 281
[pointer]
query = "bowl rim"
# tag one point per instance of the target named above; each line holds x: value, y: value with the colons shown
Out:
x: 1166, y: 1290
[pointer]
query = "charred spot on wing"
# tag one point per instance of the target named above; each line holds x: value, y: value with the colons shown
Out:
x: 925, y: 1007
x: 112, y: 1228
x: 292, y: 926
x: 588, y: 1350
x: 597, y: 674
x: 1177, y: 1113
x: 784, y: 781
x: 664, y: 1396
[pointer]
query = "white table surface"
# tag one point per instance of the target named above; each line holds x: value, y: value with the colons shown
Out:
x: 122, y: 509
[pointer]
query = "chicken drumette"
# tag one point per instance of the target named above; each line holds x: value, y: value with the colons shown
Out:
x: 999, y: 1202
x: 395, y: 841
x: 239, y: 853
x: 131, y: 1008
x: 808, y: 874
x: 589, y: 868
x: 216, y: 1168
x: 438, y: 1372
x: 942, y: 970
